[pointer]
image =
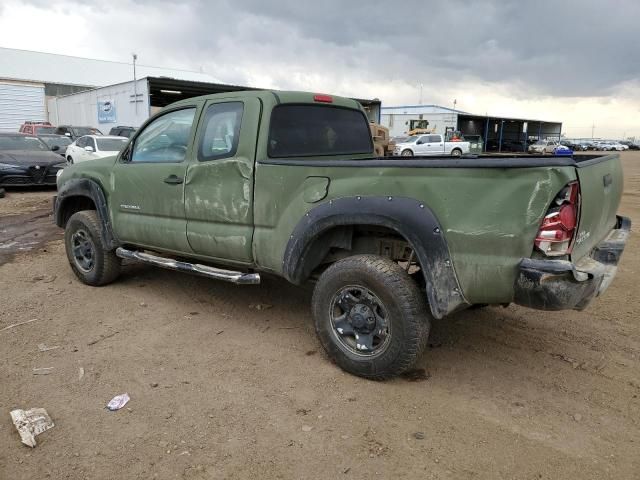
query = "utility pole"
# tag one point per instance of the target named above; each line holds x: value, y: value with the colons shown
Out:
x: 420, y: 102
x: 135, y: 83
x: 453, y: 114
x: 593, y: 127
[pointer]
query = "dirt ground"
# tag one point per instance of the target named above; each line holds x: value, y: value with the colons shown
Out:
x: 222, y: 389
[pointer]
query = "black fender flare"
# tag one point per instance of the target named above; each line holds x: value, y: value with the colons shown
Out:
x: 84, y: 187
x: 412, y: 219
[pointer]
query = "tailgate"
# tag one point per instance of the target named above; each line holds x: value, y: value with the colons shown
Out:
x: 601, y: 186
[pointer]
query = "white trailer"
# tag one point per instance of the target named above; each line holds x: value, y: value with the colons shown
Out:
x: 103, y: 108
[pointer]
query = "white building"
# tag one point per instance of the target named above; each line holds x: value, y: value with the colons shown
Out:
x: 106, y: 107
x: 397, y: 118
x: 28, y: 79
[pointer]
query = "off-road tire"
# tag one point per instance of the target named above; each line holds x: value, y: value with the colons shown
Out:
x: 405, y: 303
x: 106, y: 265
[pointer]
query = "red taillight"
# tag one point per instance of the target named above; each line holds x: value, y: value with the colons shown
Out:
x: 323, y: 98
x: 558, y: 228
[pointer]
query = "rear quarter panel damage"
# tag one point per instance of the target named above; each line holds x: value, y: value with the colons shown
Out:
x: 489, y: 216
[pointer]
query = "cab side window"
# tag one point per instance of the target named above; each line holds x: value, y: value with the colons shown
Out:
x: 434, y: 139
x: 165, y: 139
x: 221, y: 131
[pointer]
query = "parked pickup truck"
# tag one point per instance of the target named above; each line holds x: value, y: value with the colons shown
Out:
x: 232, y: 185
x: 431, y: 144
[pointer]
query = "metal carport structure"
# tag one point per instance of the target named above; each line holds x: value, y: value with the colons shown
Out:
x: 164, y: 91
x: 508, y: 134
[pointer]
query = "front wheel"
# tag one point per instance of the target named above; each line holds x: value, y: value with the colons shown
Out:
x: 370, y: 316
x: 90, y: 260
x: 407, y: 153
x: 70, y: 160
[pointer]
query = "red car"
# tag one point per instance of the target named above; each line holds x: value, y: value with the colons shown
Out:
x: 36, y: 128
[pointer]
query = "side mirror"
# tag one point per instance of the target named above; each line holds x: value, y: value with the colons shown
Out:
x: 88, y: 148
x: 419, y: 142
x: 67, y: 134
x: 55, y: 148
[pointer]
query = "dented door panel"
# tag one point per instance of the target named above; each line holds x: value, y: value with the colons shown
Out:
x: 219, y: 192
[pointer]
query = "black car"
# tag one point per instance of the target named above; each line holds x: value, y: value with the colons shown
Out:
x: 573, y: 145
x: 27, y: 160
x: 76, y: 132
x: 122, y: 131
x: 52, y: 140
x: 631, y: 145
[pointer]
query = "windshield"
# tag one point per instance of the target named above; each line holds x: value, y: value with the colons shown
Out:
x: 411, y: 139
x: 45, y: 129
x: 60, y: 141
x: 111, y: 144
x: 82, y: 131
x: 540, y: 142
x: 19, y: 142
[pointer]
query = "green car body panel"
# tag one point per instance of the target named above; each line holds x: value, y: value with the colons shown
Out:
x: 242, y: 210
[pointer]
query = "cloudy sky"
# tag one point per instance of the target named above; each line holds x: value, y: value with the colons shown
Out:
x: 577, y: 61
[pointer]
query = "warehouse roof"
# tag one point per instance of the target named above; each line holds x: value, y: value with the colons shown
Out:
x: 43, y: 67
x: 412, y: 109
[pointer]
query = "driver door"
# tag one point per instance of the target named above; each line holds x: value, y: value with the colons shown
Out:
x: 147, y: 205
x: 77, y: 151
x: 421, y: 147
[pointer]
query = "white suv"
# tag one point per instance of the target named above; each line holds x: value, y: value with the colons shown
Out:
x: 543, y: 146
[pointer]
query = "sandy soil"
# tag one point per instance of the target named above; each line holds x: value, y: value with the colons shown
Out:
x: 222, y: 389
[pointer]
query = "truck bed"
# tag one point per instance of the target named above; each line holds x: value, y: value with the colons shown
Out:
x: 446, y: 161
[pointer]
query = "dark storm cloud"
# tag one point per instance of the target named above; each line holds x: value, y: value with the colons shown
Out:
x: 546, y: 48
x: 553, y: 47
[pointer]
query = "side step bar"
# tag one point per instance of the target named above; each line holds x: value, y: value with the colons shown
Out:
x: 238, y: 278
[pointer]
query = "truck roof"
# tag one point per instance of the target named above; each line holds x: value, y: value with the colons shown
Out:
x: 277, y: 97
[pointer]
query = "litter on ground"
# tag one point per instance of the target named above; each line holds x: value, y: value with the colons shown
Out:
x: 31, y: 423
x: 118, y: 402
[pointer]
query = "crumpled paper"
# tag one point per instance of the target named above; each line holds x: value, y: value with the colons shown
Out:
x: 31, y: 423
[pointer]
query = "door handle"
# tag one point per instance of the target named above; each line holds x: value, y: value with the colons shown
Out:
x: 173, y: 180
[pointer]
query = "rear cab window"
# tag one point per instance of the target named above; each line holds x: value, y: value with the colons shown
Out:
x: 307, y: 130
x: 221, y: 131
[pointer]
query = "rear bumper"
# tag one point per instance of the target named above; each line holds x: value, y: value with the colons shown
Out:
x: 562, y: 285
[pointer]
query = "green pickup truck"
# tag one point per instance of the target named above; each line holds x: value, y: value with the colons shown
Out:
x: 232, y: 185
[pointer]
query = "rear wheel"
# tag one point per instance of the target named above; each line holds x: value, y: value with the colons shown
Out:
x: 456, y: 152
x: 90, y: 260
x: 407, y: 153
x: 370, y: 316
